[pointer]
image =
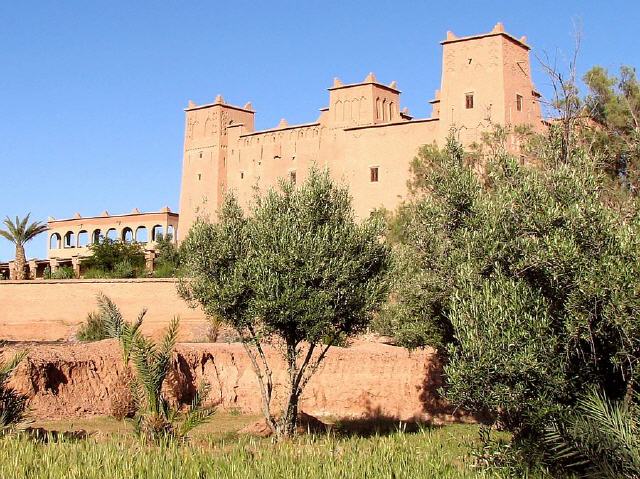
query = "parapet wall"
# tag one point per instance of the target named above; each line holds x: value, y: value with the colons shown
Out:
x: 52, y: 310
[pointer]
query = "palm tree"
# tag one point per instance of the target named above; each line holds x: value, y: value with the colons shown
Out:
x: 19, y: 232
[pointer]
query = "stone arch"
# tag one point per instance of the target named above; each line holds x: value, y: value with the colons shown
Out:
x: 384, y: 110
x: 157, y: 232
x: 339, y: 110
x: 391, y: 106
x: 112, y: 234
x: 141, y: 234
x: 95, y: 236
x: 347, y: 111
x: 355, y: 110
x: 83, y: 239
x: 378, y: 109
x: 69, y: 239
x: 127, y: 235
x: 54, y: 241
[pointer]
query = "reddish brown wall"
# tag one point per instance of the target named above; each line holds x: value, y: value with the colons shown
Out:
x: 367, y: 379
x: 52, y: 310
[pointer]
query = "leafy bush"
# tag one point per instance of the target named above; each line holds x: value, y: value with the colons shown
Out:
x: 93, y: 329
x: 63, y: 272
x: 524, y: 278
x: 12, y: 403
x: 114, y: 259
x: 167, y: 264
x: 599, y: 438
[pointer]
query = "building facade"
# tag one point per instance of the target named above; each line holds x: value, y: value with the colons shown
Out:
x: 364, y: 137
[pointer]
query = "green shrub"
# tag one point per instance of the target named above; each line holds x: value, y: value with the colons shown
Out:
x: 93, y: 329
x: 115, y: 259
x: 526, y: 280
x: 63, y: 272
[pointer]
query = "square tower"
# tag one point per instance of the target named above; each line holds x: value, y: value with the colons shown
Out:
x: 204, y: 164
x: 486, y: 79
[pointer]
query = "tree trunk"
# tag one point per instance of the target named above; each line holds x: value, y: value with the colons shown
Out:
x: 290, y: 418
x: 287, y: 426
x: 21, y: 262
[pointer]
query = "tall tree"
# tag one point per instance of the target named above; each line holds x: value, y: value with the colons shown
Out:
x: 19, y: 233
x: 613, y: 103
x: 525, y: 279
x: 300, y: 273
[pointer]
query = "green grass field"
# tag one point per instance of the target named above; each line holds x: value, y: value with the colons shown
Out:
x: 217, y: 451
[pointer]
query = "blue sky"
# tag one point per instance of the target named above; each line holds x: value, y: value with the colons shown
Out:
x: 92, y: 92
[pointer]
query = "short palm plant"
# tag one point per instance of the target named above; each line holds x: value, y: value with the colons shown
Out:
x: 19, y: 233
x: 12, y: 404
x: 155, y: 419
x: 599, y: 438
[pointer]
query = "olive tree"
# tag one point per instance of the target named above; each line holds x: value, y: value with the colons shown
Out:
x: 299, y: 273
x: 524, y: 279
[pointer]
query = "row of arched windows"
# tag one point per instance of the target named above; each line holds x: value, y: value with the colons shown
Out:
x: 385, y: 111
x: 81, y: 240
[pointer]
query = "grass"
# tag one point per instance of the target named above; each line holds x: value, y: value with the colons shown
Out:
x: 217, y: 451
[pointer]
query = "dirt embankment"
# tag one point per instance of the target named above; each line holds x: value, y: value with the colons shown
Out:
x: 364, y: 380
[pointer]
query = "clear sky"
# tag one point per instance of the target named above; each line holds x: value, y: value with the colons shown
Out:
x: 92, y: 92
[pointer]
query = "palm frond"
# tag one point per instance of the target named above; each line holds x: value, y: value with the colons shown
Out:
x: 600, y: 438
x: 197, y: 415
x: 6, y: 368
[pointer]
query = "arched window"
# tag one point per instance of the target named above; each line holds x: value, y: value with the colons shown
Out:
x: 112, y: 234
x: 83, y: 239
x: 69, y: 240
x: 171, y: 233
x: 391, y: 111
x: 378, y: 109
x: 339, y: 110
x: 384, y: 110
x: 127, y: 235
x: 54, y: 241
x: 141, y: 234
x: 157, y: 232
x: 95, y: 236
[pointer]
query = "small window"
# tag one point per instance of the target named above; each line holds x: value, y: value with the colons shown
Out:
x: 469, y: 101
x: 200, y: 154
x: 519, y: 102
x: 373, y: 172
x: 293, y: 177
x: 242, y: 175
x: 199, y: 176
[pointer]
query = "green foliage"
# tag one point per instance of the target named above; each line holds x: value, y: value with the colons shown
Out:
x: 614, y: 104
x: 525, y: 279
x: 115, y: 326
x: 63, y: 272
x: 167, y: 263
x: 155, y: 420
x: 114, y: 259
x: 21, y: 231
x: 93, y: 329
x: 299, y: 269
x: 12, y: 403
x: 599, y: 438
